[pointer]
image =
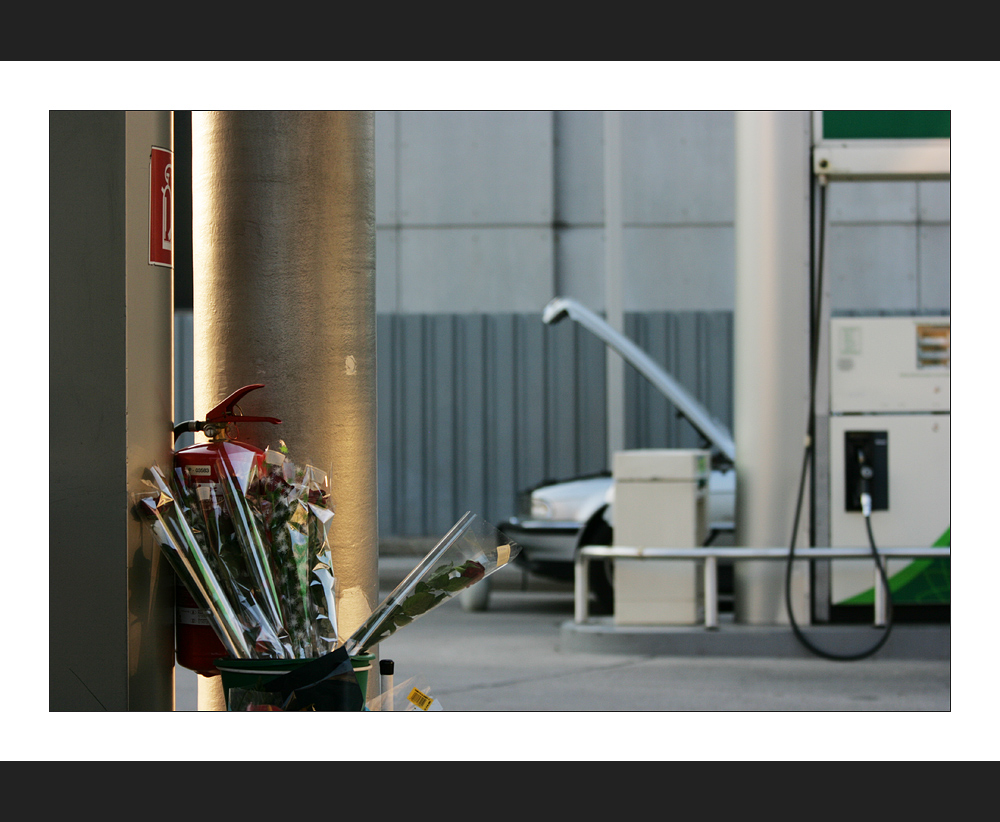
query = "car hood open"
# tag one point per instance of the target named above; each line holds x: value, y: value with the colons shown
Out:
x: 714, y: 431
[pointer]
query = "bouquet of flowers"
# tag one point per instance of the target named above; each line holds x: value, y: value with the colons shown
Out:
x: 249, y: 541
x: 471, y: 551
x: 253, y: 552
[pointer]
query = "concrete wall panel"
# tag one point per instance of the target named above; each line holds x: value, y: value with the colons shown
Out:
x: 475, y: 168
x: 934, y: 198
x: 678, y: 166
x: 506, y: 170
x: 386, y: 176
x: 873, y: 267
x: 872, y: 202
x: 475, y: 269
x: 579, y: 255
x: 679, y: 268
x: 386, y: 269
x: 579, y: 160
x: 935, y: 268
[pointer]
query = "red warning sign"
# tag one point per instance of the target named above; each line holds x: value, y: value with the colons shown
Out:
x: 161, y: 210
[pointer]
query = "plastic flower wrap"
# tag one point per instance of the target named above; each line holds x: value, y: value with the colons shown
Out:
x: 471, y: 551
x: 413, y: 694
x: 175, y: 526
x: 253, y: 552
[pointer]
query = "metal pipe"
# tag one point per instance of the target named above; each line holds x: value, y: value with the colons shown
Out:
x: 881, y: 603
x: 614, y: 288
x: 711, y: 572
x: 581, y: 588
x: 770, y: 553
x: 284, y: 295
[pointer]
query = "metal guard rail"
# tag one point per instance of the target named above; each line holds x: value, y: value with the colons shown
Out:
x: 711, y: 556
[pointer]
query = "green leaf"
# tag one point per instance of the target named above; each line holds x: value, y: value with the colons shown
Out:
x: 417, y: 604
x: 456, y: 584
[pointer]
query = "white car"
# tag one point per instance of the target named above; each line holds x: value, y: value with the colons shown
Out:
x: 554, y: 519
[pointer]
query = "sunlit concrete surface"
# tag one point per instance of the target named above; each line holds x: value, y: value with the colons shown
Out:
x: 512, y: 657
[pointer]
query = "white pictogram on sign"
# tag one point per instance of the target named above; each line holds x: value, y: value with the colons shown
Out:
x: 167, y: 228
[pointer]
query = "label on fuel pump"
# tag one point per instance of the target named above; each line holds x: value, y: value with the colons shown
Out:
x: 199, y: 470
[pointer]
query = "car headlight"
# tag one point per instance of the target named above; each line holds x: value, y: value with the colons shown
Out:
x: 540, y: 509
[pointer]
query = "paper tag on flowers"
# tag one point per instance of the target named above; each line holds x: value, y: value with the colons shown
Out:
x: 420, y: 699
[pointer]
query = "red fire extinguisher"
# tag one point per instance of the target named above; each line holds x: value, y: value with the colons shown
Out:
x: 198, y: 646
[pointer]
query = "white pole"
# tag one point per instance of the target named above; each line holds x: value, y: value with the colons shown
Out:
x: 771, y: 351
x: 613, y: 277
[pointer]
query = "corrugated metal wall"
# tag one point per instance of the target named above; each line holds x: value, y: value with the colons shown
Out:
x: 474, y: 407
x: 696, y: 348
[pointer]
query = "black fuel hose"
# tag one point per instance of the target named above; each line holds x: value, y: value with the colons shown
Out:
x: 806, y: 461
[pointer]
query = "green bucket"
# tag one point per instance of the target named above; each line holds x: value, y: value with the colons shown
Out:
x: 250, y: 675
x: 362, y: 664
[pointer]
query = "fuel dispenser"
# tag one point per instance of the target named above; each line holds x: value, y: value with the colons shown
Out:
x: 203, y: 465
x: 890, y: 427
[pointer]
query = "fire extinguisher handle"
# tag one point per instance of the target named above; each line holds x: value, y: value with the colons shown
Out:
x: 225, y: 410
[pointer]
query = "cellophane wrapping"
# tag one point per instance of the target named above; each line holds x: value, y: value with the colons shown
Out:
x: 471, y: 551
x: 254, y: 555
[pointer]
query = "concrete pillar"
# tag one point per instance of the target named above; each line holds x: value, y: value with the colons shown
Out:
x: 771, y: 332
x: 284, y: 295
x: 111, y: 644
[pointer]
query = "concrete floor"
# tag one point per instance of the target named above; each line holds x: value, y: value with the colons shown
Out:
x: 509, y: 687
x: 522, y: 654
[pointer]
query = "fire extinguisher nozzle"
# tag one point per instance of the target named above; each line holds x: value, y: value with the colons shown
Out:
x: 185, y: 427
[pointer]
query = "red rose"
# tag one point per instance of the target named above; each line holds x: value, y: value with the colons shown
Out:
x: 473, y: 571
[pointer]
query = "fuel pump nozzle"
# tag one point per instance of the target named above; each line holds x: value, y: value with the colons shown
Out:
x: 865, y: 474
x: 216, y: 420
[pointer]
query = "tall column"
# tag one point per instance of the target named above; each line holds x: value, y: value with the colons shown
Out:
x: 614, y: 288
x: 284, y: 295
x: 771, y: 332
x: 111, y: 630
